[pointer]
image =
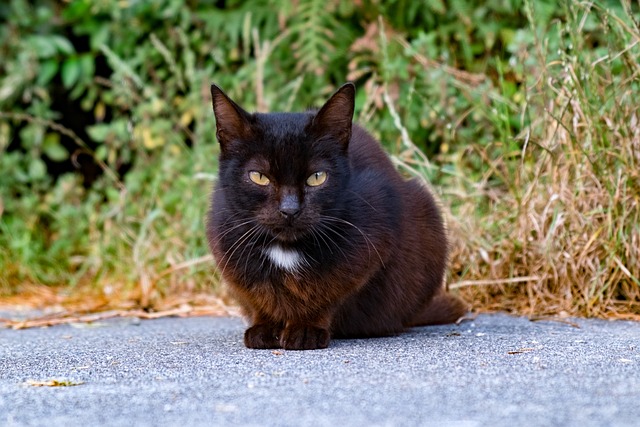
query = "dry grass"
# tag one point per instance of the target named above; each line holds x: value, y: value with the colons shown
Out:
x: 562, y: 227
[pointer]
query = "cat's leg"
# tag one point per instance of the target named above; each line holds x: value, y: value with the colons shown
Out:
x: 305, y: 335
x: 263, y: 332
x: 263, y: 335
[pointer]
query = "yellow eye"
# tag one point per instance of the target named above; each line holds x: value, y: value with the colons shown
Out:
x: 316, y: 179
x: 258, y: 178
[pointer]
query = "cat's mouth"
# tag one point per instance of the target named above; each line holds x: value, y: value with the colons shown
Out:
x: 287, y: 234
x: 289, y: 229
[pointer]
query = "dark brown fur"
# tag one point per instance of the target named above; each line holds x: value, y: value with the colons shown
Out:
x: 372, y: 247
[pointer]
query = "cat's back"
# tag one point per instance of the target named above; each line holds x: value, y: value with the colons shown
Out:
x: 366, y: 154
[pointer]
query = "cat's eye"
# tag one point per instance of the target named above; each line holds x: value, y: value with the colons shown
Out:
x: 316, y: 179
x: 259, y: 178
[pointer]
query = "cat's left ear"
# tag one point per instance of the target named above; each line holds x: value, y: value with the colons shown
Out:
x: 336, y: 115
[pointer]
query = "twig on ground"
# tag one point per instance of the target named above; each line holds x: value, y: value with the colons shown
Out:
x: 67, y: 317
x: 466, y: 283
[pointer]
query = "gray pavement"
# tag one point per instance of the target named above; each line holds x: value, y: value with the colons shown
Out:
x: 496, y: 370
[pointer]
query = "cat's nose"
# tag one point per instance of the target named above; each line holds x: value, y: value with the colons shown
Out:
x: 290, y: 206
x: 290, y: 213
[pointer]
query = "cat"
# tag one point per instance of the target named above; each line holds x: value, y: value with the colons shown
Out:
x: 316, y: 233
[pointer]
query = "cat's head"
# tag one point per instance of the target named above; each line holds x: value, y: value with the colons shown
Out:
x: 286, y: 171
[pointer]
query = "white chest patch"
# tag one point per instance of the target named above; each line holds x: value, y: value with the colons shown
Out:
x: 287, y: 259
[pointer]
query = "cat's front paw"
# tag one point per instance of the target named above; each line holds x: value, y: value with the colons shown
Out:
x: 262, y: 336
x: 304, y: 338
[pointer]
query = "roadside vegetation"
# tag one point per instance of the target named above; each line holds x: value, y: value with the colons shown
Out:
x: 521, y: 114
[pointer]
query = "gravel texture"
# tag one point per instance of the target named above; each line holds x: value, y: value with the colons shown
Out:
x: 496, y: 370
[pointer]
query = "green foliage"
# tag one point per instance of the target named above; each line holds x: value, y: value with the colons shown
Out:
x: 107, y: 138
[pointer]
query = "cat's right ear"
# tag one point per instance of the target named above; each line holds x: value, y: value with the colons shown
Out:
x: 232, y: 122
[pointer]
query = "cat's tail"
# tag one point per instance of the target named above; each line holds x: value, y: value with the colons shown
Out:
x: 443, y: 308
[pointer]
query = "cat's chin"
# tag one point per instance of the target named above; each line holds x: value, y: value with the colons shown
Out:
x: 287, y: 235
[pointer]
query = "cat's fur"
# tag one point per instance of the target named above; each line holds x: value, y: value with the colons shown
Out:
x: 361, y: 255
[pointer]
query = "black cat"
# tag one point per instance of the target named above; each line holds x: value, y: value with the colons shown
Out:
x: 317, y: 234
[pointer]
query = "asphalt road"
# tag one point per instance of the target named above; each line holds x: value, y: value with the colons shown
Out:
x: 494, y: 371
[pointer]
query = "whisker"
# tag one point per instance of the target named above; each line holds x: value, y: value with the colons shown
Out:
x: 318, y: 244
x: 367, y: 239
x: 264, y: 256
x: 234, y: 227
x: 247, y: 234
x: 322, y: 234
x: 250, y: 246
x: 231, y: 229
x: 363, y: 199
x: 316, y: 231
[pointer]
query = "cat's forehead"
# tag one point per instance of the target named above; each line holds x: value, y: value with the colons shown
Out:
x: 283, y: 125
x: 283, y: 137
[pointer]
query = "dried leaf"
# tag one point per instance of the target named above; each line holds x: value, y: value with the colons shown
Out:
x: 521, y: 350
x: 53, y: 383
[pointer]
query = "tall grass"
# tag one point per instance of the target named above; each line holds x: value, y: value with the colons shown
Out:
x: 554, y: 227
